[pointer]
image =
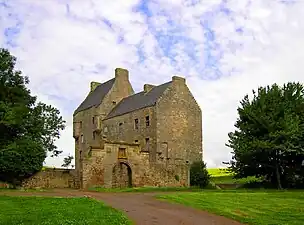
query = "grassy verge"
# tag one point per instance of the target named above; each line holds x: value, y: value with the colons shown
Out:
x: 222, y: 176
x: 57, y: 211
x: 26, y: 189
x: 145, y: 189
x: 251, y: 207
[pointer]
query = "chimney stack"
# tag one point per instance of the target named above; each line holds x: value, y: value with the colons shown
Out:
x: 148, y: 87
x: 121, y: 73
x: 178, y: 80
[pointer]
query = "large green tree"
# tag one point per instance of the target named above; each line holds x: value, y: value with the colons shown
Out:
x: 269, y: 138
x: 28, y: 129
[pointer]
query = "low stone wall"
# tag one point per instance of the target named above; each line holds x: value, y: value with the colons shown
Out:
x: 52, y: 178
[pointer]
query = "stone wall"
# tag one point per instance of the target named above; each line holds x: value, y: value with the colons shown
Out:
x: 122, y: 128
x: 101, y: 169
x: 179, y: 125
x: 52, y: 178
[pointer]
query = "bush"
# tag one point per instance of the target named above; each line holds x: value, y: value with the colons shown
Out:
x: 199, y: 175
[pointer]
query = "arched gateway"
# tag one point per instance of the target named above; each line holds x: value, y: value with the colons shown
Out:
x: 121, y: 175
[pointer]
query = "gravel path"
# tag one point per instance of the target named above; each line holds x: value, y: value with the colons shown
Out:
x: 142, y: 208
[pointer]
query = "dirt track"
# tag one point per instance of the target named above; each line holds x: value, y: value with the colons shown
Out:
x: 143, y: 208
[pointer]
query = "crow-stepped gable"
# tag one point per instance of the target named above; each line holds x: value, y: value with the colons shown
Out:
x: 125, y: 139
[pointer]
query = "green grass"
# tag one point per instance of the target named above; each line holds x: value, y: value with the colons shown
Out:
x: 219, y: 172
x: 222, y: 176
x: 26, y: 189
x: 145, y: 189
x: 250, y: 207
x: 57, y: 211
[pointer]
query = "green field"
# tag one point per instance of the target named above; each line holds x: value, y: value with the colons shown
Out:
x: 251, y: 207
x: 222, y: 176
x: 145, y: 189
x: 57, y: 211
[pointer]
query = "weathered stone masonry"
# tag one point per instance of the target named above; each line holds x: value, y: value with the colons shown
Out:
x: 145, y: 139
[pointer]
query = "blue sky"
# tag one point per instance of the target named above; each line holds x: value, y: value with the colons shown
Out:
x: 224, y: 48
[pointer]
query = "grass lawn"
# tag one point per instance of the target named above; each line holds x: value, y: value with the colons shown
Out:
x: 145, y: 189
x: 251, y: 207
x: 57, y: 211
x: 222, y: 176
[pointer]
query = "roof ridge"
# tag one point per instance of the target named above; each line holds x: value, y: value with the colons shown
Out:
x: 95, y: 97
x: 138, y: 101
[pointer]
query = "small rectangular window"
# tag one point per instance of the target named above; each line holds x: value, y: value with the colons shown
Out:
x: 147, y: 121
x: 147, y: 141
x: 136, y: 124
x: 93, y: 135
x: 93, y: 119
x: 80, y: 124
x: 136, y: 141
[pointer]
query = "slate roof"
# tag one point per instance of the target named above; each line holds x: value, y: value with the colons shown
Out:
x: 96, y: 97
x: 138, y: 101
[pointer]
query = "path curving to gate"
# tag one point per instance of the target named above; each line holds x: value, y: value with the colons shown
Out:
x: 143, y: 208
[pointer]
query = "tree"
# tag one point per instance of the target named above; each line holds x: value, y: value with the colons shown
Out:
x: 199, y: 175
x: 28, y: 129
x: 67, y: 161
x: 269, y: 138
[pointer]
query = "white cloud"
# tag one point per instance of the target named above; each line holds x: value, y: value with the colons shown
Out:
x: 62, y: 47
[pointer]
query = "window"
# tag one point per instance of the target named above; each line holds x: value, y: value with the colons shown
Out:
x: 136, y: 141
x: 80, y: 124
x: 136, y: 124
x: 146, y: 147
x: 82, y: 139
x: 114, y: 103
x: 147, y: 141
x: 147, y: 121
x: 93, y: 119
x: 120, y: 127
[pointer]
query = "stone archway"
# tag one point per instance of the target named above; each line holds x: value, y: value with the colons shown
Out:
x: 121, y: 175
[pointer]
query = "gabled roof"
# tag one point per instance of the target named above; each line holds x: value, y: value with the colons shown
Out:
x: 138, y: 101
x: 96, y: 97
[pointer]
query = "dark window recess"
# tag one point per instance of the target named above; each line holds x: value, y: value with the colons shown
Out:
x: 114, y: 103
x: 147, y: 121
x: 80, y: 124
x: 136, y: 123
x: 147, y: 141
x: 146, y: 148
x: 120, y: 127
x: 93, y: 120
x: 80, y: 155
x: 136, y: 141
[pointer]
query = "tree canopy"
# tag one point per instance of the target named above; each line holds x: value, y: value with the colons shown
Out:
x: 199, y: 175
x: 28, y: 129
x: 269, y: 138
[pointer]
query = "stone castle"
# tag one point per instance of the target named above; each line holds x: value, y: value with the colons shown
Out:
x: 150, y: 138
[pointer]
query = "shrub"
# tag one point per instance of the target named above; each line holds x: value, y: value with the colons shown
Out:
x: 199, y: 175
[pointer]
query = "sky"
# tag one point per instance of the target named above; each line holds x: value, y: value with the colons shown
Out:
x: 224, y: 49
